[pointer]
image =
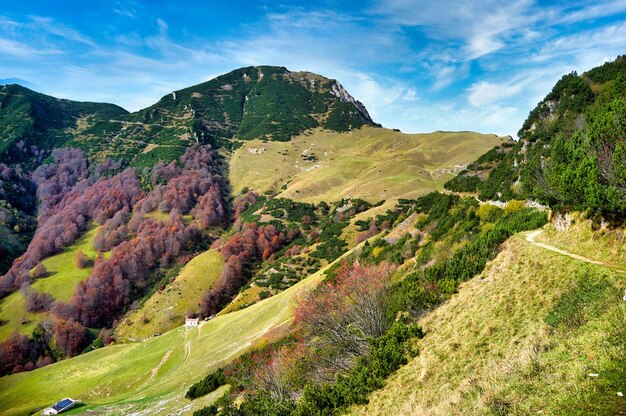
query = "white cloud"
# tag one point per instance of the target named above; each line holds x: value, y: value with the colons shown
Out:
x: 592, y: 10
x: 20, y: 49
x: 410, y: 95
x: 57, y: 29
x: 483, y: 92
x: 373, y: 94
x: 611, y: 37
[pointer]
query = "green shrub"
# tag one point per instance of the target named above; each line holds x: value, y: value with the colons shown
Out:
x: 208, y: 384
x: 330, y: 249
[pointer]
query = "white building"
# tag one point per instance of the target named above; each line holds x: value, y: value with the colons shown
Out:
x: 191, y: 322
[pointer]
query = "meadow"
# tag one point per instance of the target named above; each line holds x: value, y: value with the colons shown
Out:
x: 370, y: 163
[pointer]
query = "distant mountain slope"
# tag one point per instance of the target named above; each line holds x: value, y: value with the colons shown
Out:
x: 572, y: 148
x: 40, y: 120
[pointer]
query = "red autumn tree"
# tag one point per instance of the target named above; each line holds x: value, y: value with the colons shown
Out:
x: 81, y: 260
x: 39, y: 271
x: 341, y: 316
x: 71, y: 337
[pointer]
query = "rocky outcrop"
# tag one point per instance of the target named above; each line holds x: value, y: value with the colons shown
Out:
x: 339, y: 91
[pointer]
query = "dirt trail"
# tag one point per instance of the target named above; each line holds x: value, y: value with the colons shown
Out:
x: 530, y: 237
x: 156, y: 369
x: 188, y: 344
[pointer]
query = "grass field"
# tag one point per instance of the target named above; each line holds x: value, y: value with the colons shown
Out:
x: 536, y: 333
x: 60, y: 282
x: 166, y: 309
x: 248, y: 296
x: 150, y: 376
x: 370, y: 163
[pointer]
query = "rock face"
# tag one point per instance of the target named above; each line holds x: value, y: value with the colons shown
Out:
x: 339, y: 91
x: 562, y: 222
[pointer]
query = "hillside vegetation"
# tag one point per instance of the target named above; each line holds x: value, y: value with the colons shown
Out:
x: 571, y: 153
x: 329, y: 274
x: 167, y: 308
x: 535, y: 332
x: 28, y: 118
x: 61, y: 278
x: 117, y: 379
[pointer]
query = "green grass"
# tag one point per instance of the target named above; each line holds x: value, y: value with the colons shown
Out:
x: 369, y: 163
x: 115, y: 379
x: 520, y: 339
x: 60, y: 282
x: 166, y: 309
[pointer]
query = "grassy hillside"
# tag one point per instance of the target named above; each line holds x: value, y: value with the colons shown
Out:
x: 581, y: 238
x: 60, y: 282
x: 525, y: 337
x: 166, y: 309
x: 117, y: 379
x: 370, y: 163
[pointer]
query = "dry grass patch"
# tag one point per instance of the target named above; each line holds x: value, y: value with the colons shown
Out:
x: 370, y: 163
x: 580, y: 238
x: 519, y: 339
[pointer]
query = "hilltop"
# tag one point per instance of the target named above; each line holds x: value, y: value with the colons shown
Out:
x: 28, y: 118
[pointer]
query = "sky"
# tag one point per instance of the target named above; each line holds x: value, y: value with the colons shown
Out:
x: 417, y: 65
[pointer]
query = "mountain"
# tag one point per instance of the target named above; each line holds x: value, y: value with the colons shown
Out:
x: 265, y: 102
x: 269, y: 103
x: 254, y: 102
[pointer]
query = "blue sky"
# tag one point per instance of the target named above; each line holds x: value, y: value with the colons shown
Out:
x: 416, y: 65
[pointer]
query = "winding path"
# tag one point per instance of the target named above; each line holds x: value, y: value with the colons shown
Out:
x: 530, y: 237
x: 188, y: 344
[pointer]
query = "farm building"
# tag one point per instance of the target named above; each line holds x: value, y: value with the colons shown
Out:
x: 190, y: 322
x: 61, y: 406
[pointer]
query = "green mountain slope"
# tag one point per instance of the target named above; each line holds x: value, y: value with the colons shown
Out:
x: 46, y: 122
x: 265, y: 102
x: 536, y: 332
x: 572, y: 148
x: 249, y: 103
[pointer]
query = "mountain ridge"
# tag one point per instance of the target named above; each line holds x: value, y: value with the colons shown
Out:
x: 265, y: 102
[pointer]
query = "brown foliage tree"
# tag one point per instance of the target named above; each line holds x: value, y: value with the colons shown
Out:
x: 71, y: 337
x: 81, y: 260
x: 39, y: 271
x: 340, y: 317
